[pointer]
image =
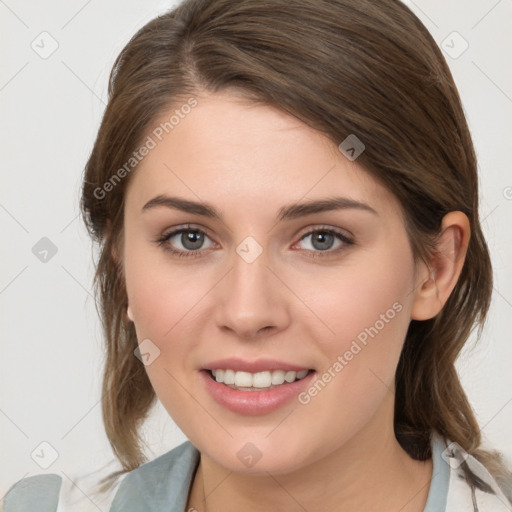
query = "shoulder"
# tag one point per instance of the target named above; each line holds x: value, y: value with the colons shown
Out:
x: 159, y: 482
x: 150, y: 487
x: 39, y: 492
x: 471, y: 485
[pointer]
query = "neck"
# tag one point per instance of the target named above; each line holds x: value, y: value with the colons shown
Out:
x: 370, y: 472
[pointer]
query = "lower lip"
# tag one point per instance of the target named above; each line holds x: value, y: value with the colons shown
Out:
x: 254, y: 403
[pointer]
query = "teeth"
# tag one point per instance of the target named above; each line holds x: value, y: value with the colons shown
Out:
x: 277, y: 377
x: 261, y: 380
x: 257, y: 380
x: 302, y: 374
x: 290, y: 376
x: 229, y: 377
x: 243, y: 380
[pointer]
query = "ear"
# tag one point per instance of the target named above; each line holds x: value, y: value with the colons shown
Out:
x: 129, y: 313
x: 437, y: 278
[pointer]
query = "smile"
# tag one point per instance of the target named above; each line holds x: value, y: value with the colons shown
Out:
x: 249, y: 400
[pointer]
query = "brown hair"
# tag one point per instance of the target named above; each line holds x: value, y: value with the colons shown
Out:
x: 342, y: 67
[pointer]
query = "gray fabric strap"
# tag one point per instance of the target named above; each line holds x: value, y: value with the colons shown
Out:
x: 438, y: 493
x: 158, y: 485
x: 38, y: 493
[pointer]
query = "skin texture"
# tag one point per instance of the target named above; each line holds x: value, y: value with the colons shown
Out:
x: 249, y: 161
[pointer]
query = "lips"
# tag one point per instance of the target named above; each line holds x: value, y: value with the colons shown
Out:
x: 252, y: 401
x: 256, y: 403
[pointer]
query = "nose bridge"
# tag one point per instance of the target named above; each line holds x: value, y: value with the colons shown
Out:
x: 251, y: 299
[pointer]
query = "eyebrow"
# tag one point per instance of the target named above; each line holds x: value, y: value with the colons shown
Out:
x: 289, y: 212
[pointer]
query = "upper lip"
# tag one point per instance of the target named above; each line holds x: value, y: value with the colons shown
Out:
x: 255, y: 366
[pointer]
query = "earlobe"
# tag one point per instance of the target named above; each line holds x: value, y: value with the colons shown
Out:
x: 129, y: 313
x: 438, y: 278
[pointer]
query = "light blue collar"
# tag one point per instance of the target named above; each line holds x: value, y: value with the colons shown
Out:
x: 438, y: 493
x: 161, y: 484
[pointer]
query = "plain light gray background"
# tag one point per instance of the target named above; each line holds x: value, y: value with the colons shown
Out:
x: 51, y: 347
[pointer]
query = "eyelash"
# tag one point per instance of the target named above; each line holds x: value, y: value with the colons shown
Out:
x: 162, y: 242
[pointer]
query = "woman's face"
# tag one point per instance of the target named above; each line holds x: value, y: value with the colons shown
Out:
x: 260, y: 284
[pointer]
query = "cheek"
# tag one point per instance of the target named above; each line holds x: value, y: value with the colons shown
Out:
x: 162, y: 295
x: 364, y: 313
x: 168, y: 301
x: 163, y: 300
x: 369, y: 311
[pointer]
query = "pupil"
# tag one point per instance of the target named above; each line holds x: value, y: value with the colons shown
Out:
x: 325, y: 239
x: 191, y: 240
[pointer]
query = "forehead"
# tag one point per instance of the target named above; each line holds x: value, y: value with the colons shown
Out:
x: 228, y: 150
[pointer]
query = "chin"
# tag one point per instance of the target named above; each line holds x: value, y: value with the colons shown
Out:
x: 253, y: 455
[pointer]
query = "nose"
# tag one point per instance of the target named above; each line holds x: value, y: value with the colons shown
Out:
x: 251, y: 301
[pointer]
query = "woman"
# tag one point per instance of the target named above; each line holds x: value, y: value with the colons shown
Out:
x: 285, y: 197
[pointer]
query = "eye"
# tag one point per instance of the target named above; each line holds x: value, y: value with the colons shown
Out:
x: 323, y: 240
x: 188, y: 241
x: 185, y: 242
